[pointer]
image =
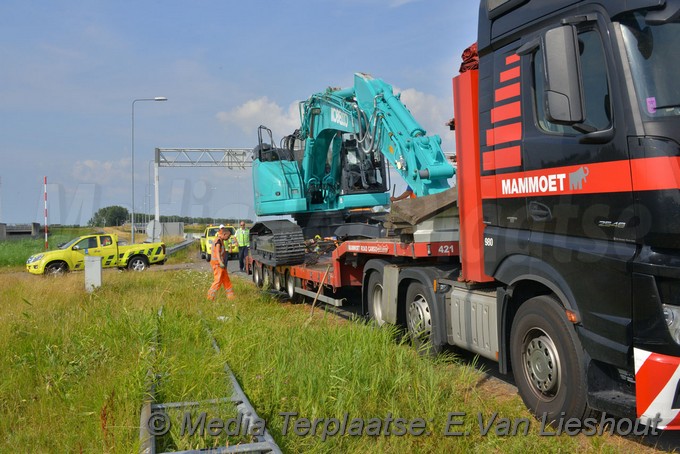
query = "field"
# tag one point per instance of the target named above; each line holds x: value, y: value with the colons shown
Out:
x: 73, y: 373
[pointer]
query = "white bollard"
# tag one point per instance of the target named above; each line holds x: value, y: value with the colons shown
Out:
x: 93, y: 273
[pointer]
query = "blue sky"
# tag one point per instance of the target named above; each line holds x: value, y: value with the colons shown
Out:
x: 70, y: 70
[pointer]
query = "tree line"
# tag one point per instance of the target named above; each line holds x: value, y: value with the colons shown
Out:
x: 117, y: 215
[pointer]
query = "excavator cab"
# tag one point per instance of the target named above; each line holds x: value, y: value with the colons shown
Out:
x: 362, y: 172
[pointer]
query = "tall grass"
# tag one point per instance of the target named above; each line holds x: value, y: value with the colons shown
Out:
x: 73, y: 371
x: 73, y: 368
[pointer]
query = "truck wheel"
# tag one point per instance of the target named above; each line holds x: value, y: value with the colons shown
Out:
x: 201, y: 255
x: 138, y: 263
x: 547, y: 360
x: 419, y: 321
x: 207, y: 257
x: 374, y: 296
x: 56, y: 269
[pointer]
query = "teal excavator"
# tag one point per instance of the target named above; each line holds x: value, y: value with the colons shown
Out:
x: 332, y: 171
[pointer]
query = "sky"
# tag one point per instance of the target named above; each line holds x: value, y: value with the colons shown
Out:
x: 71, y: 69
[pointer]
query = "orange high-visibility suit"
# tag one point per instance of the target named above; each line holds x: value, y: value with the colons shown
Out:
x: 220, y: 273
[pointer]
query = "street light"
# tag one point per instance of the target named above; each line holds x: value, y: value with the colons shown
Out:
x: 157, y: 98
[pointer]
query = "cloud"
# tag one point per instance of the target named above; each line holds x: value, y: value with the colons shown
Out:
x: 253, y: 113
x: 432, y: 113
x: 101, y: 172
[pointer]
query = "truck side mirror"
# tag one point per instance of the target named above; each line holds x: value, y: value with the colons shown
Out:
x: 563, y: 95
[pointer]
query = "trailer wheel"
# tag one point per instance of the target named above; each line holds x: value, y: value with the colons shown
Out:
x: 278, y: 280
x: 419, y: 321
x: 257, y: 274
x: 291, y: 283
x: 547, y: 360
x: 266, y: 277
x: 374, y: 295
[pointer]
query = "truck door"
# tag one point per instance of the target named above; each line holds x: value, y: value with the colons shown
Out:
x: 576, y: 177
x: 108, y: 251
x: 86, y: 246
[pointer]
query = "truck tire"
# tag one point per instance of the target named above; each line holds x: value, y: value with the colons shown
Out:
x: 207, y: 257
x: 547, y: 361
x: 56, y: 269
x: 419, y: 319
x: 374, y: 294
x: 138, y: 263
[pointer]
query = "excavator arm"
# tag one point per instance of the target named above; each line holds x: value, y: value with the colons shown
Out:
x: 393, y: 131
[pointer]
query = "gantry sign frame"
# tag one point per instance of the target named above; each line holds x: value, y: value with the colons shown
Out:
x: 230, y: 158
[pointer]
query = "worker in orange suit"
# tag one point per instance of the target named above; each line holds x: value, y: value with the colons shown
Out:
x: 218, y: 261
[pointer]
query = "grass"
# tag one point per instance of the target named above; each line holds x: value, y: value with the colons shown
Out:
x: 73, y: 371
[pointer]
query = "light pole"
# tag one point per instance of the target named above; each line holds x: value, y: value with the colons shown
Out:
x: 157, y: 98
x: 148, y: 191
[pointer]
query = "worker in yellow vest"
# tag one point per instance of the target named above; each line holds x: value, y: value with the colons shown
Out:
x: 243, y: 240
x: 218, y: 261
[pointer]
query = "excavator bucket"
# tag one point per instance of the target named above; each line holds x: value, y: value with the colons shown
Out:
x: 414, y: 211
x: 426, y: 219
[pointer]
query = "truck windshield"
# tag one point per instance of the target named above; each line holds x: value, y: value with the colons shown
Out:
x: 654, y: 62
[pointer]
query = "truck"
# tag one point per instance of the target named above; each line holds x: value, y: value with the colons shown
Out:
x: 70, y: 256
x: 208, y: 238
x: 557, y: 255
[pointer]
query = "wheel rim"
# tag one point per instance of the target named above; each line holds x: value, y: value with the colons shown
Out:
x: 541, y: 364
x: 290, y: 285
x: 138, y: 265
x: 55, y: 270
x: 376, y: 298
x: 256, y: 276
x: 419, y: 318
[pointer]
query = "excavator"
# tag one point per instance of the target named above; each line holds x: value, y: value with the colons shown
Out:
x: 329, y: 174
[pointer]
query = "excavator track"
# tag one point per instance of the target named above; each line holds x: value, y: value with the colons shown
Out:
x: 277, y: 243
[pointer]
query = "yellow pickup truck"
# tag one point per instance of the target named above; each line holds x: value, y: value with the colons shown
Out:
x: 71, y: 256
x: 208, y: 238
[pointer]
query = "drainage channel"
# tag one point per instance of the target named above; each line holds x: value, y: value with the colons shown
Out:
x: 154, y: 417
